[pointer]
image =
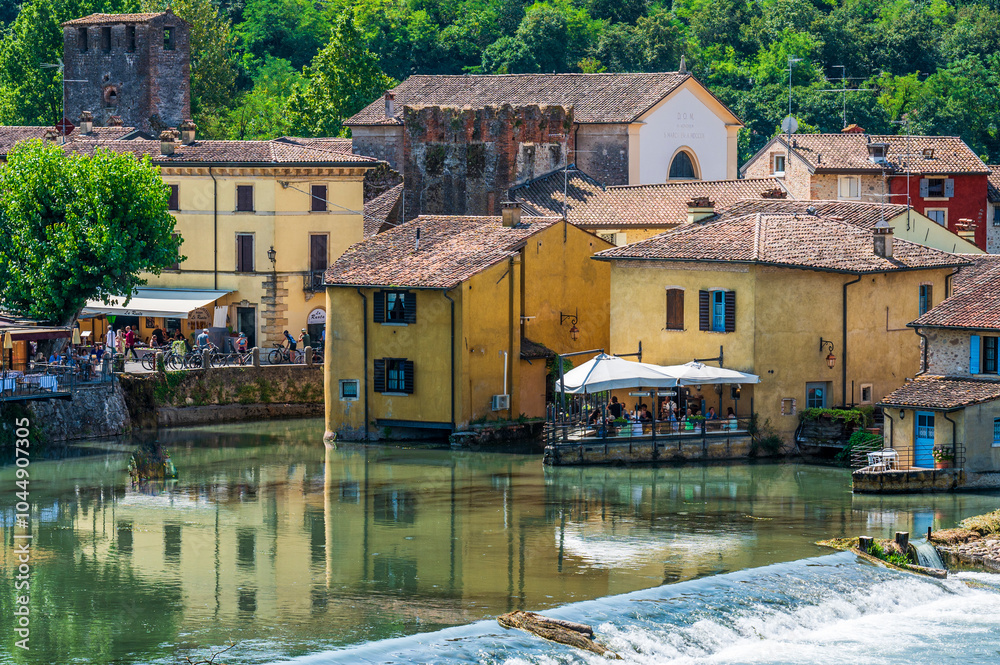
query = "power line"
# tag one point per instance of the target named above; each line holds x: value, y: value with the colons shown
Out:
x: 287, y: 185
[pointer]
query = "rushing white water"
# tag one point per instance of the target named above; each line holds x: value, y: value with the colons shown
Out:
x: 830, y: 609
x: 927, y: 555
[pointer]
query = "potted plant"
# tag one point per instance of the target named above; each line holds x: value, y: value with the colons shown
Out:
x: 943, y: 457
x: 619, y: 424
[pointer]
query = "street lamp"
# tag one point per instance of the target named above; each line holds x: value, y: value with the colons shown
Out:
x: 574, y: 332
x: 271, y: 254
x: 831, y: 359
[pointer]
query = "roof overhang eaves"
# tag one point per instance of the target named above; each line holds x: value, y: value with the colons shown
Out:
x: 774, y: 264
x: 931, y: 326
x: 922, y: 407
x: 260, y: 165
x: 411, y: 287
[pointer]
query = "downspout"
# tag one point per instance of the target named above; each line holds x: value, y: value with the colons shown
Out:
x: 892, y: 430
x: 452, y: 361
x: 947, y: 282
x: 843, y: 343
x: 954, y: 438
x: 215, y: 226
x: 923, y: 354
x: 364, y: 318
x: 509, y: 365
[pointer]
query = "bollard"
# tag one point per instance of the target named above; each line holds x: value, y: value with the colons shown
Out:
x: 308, y: 352
x: 865, y: 544
x: 903, y: 540
x: 928, y: 534
x: 158, y: 365
x: 119, y: 362
x: 206, y: 359
x: 255, y: 356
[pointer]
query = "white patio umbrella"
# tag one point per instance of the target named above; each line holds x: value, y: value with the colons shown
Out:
x: 604, y: 372
x: 695, y: 373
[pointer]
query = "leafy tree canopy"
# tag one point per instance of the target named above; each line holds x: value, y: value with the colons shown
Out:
x: 78, y: 227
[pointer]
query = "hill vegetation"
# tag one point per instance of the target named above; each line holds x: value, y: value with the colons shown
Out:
x: 264, y: 68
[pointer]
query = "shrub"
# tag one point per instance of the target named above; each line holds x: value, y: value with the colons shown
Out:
x: 854, y: 417
x: 763, y: 438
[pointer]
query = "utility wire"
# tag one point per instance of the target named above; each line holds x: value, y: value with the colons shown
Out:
x: 288, y: 185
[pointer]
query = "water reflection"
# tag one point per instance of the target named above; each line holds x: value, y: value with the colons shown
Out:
x: 269, y: 539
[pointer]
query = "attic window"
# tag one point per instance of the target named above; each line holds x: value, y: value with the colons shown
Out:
x: 106, y: 40
x: 682, y: 167
x: 168, y: 39
x: 130, y: 38
x: 928, y: 153
x: 876, y: 152
x: 81, y: 39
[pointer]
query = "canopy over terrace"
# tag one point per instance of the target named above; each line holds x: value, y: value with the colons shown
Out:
x: 166, y: 303
x: 695, y: 374
x: 606, y: 372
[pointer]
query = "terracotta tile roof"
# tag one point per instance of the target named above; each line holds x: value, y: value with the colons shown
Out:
x: 230, y: 152
x: 610, y: 98
x: 993, y: 184
x: 794, y: 241
x: 97, y: 19
x: 532, y: 350
x: 12, y: 134
x: 382, y: 212
x: 975, y: 303
x: 860, y: 213
x: 331, y: 143
x: 849, y: 152
x: 942, y: 393
x: 452, y: 249
x: 591, y: 205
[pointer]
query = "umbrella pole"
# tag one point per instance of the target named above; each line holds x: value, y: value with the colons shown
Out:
x: 562, y: 399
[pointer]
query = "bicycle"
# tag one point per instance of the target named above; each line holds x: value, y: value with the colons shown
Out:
x: 148, y: 361
x: 279, y: 354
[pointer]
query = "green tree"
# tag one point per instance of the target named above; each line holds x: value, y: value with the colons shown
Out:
x: 553, y: 37
x: 78, y: 227
x: 260, y: 113
x: 343, y: 78
x: 290, y: 29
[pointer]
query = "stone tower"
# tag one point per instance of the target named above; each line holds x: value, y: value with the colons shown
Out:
x: 134, y: 66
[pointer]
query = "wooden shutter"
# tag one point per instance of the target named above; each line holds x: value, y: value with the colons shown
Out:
x: 174, y: 203
x: 730, y: 311
x: 704, y: 311
x: 378, y: 307
x: 949, y: 187
x: 408, y: 377
x: 410, y: 307
x: 974, y: 354
x: 923, y: 187
x: 318, y: 198
x: 675, y: 309
x: 380, y: 375
x: 318, y: 260
x: 244, y: 252
x: 244, y: 198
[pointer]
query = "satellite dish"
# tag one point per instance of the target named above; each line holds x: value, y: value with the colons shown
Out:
x: 789, y: 125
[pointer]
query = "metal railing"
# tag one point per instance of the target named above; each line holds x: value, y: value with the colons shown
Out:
x: 903, y: 459
x: 577, y: 430
x: 313, y: 281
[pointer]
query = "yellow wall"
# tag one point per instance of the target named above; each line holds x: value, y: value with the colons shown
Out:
x: 973, y: 430
x: 281, y: 218
x: 781, y: 314
x: 929, y: 233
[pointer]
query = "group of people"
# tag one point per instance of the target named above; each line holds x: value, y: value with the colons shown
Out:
x: 669, y: 412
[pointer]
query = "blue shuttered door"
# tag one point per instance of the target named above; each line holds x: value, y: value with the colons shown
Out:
x: 923, y: 441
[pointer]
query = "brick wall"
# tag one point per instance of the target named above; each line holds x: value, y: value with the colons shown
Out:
x: 382, y: 142
x: 602, y: 152
x: 149, y: 87
x: 461, y: 161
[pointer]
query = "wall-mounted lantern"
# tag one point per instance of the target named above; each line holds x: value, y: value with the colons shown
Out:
x: 271, y: 254
x: 574, y: 332
x: 831, y: 359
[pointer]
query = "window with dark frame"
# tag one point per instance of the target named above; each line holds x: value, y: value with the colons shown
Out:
x: 81, y: 39
x: 168, y: 39
x: 318, y: 198
x: 318, y: 256
x: 398, y: 307
x: 175, y: 199
x: 926, y: 299
x: 675, y: 309
x: 130, y: 38
x: 989, y: 355
x: 244, y: 252
x: 244, y: 198
x: 106, y: 40
x: 393, y: 375
x: 717, y: 311
x: 996, y: 432
x: 349, y: 389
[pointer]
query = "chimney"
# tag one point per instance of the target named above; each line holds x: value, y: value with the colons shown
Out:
x: 187, y: 131
x: 511, y: 213
x: 115, y: 121
x: 390, y: 105
x: 883, y: 239
x: 50, y: 135
x: 852, y: 129
x: 966, y: 228
x: 86, y: 122
x: 699, y: 209
x: 167, y: 137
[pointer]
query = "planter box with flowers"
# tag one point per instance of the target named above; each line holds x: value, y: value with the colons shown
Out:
x: 943, y: 457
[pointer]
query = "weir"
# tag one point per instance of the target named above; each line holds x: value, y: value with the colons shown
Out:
x: 927, y: 555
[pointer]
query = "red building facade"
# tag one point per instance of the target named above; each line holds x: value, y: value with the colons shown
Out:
x: 947, y: 199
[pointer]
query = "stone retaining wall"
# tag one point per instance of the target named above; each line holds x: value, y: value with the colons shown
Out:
x: 908, y: 482
x: 95, y: 411
x: 644, y: 451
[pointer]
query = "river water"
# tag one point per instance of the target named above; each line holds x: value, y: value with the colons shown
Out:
x: 377, y: 554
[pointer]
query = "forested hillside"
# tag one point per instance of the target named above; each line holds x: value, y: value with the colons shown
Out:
x: 263, y: 68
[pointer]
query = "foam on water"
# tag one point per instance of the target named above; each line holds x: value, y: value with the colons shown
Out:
x: 831, y: 609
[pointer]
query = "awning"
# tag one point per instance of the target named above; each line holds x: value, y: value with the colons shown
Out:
x: 168, y: 303
x: 605, y: 372
x: 38, y: 333
x: 695, y: 373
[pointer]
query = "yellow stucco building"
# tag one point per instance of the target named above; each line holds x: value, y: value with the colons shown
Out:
x: 445, y: 320
x: 260, y: 221
x: 783, y: 297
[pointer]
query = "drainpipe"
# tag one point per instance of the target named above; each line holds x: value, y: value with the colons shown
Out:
x: 364, y: 317
x: 947, y: 282
x: 923, y: 358
x: 954, y: 438
x: 843, y: 343
x: 892, y: 430
x: 215, y: 225
x: 510, y: 337
x: 452, y: 361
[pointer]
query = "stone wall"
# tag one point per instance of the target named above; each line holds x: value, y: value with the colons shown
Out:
x: 462, y: 161
x: 907, y: 482
x: 602, y: 153
x: 947, y: 352
x: 644, y: 451
x: 383, y: 142
x: 94, y: 411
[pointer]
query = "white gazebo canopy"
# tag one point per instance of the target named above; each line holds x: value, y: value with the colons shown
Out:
x: 694, y: 373
x: 605, y: 372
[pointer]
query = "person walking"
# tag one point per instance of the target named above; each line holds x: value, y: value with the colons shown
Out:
x: 109, y: 340
x: 290, y: 341
x: 130, y: 343
x: 202, y: 340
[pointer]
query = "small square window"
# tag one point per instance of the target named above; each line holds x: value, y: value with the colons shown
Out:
x: 349, y: 390
x: 788, y: 406
x: 866, y: 393
x: 395, y: 306
x: 779, y: 165
x: 850, y: 187
x: 937, y: 215
x: 935, y: 187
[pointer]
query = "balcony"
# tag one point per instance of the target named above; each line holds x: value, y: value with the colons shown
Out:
x: 313, y: 281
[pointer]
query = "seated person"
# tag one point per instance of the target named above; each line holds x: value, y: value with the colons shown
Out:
x: 711, y: 414
x: 615, y: 409
x: 730, y: 414
x: 644, y: 414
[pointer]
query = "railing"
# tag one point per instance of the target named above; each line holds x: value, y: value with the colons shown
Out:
x: 313, y: 281
x: 576, y: 431
x: 903, y: 459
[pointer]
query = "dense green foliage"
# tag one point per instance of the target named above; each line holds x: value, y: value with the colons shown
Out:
x: 79, y: 227
x: 931, y: 64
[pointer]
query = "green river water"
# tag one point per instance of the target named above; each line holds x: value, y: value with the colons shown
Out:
x: 270, y: 540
